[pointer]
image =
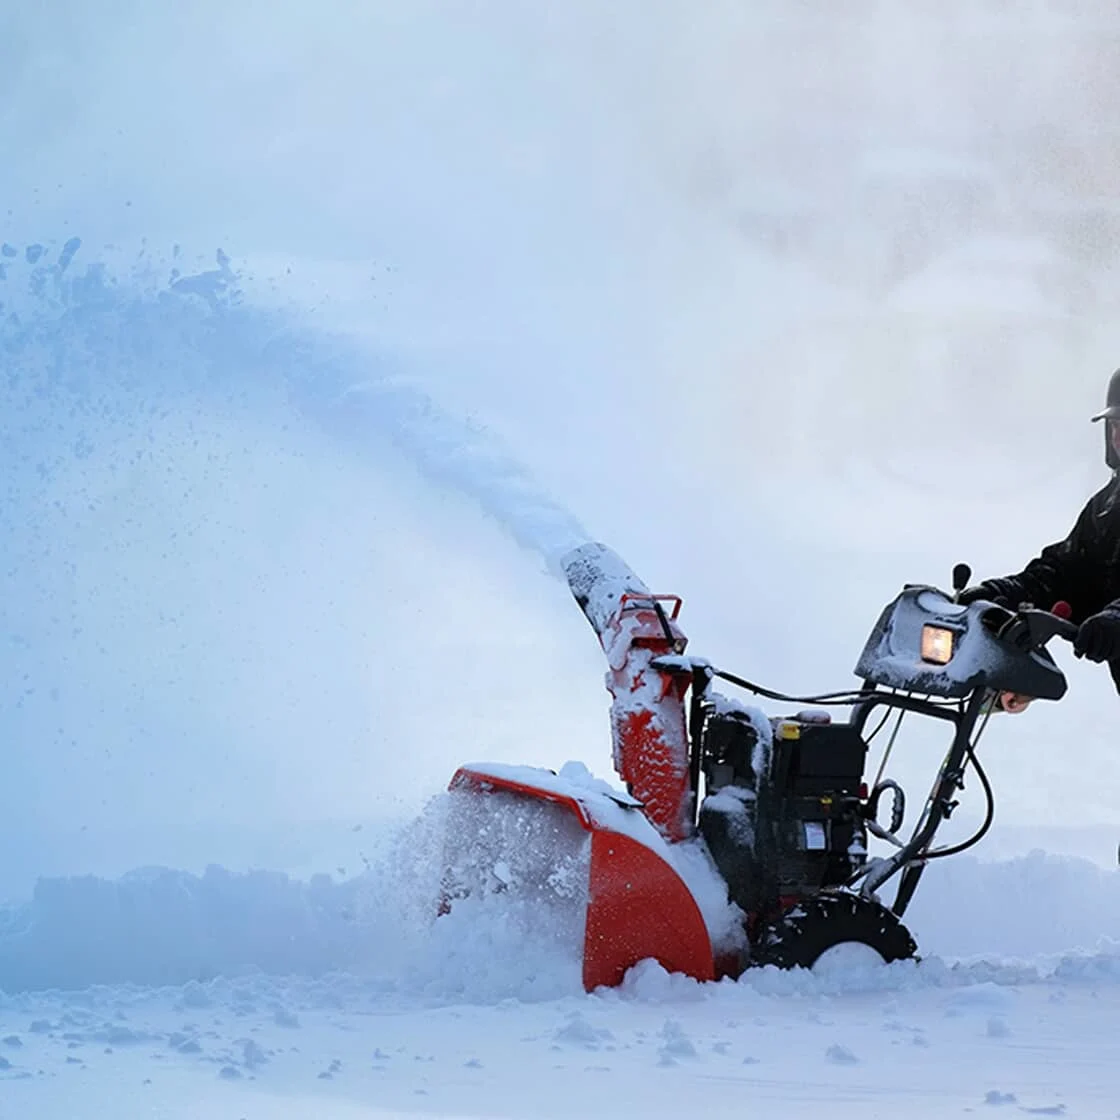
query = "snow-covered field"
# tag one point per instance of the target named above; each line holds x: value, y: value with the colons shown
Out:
x: 259, y: 995
x: 925, y: 1042
x: 272, y: 998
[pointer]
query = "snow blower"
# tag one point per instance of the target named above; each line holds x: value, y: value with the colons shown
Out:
x: 733, y: 811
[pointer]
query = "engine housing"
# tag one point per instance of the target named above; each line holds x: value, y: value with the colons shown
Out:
x: 782, y: 812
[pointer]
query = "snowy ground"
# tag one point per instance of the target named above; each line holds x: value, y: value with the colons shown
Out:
x: 228, y: 995
x: 927, y: 1040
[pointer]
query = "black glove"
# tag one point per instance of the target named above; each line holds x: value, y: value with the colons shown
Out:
x: 1098, y: 637
x: 983, y: 591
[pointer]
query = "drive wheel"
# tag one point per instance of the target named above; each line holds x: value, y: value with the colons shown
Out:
x: 830, y: 921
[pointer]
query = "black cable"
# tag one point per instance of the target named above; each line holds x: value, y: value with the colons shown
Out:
x: 882, y: 723
x: 989, y: 815
x: 845, y: 698
x: 848, y: 696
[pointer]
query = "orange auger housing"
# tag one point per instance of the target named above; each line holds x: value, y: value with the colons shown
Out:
x: 637, y: 905
x: 642, y: 898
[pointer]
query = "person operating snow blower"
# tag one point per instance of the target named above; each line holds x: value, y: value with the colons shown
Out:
x: 1084, y: 569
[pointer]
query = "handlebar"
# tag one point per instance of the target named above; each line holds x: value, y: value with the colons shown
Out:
x: 1031, y: 628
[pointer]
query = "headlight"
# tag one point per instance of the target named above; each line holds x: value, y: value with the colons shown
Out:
x: 937, y: 644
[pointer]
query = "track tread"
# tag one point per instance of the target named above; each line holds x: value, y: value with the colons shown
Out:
x: 799, y: 937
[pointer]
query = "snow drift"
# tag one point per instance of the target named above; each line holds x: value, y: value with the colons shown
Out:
x: 160, y: 926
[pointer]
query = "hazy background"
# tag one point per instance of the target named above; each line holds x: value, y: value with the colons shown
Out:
x: 789, y: 303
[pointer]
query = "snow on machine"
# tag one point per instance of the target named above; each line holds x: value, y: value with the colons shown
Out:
x: 744, y: 837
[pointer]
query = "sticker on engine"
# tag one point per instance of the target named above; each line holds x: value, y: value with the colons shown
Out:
x: 814, y: 836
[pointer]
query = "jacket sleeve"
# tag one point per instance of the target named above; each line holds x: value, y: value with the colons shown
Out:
x: 1059, y: 571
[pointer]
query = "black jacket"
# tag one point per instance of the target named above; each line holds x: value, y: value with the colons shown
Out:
x: 1083, y: 569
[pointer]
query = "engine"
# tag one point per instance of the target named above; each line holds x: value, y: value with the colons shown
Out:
x: 782, y: 813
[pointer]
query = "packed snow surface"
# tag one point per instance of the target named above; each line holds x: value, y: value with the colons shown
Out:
x: 256, y: 995
x: 944, y: 1044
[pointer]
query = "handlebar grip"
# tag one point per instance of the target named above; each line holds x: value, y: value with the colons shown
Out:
x: 1050, y: 624
x: 1061, y: 609
x: 1033, y: 628
x: 1067, y: 630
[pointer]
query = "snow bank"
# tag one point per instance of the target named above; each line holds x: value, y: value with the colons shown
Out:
x: 1035, y: 904
x: 158, y: 926
x: 1026, y: 918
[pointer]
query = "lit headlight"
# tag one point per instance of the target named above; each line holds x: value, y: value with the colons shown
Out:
x: 937, y: 644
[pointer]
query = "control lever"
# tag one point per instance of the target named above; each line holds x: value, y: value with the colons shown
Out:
x: 962, y: 573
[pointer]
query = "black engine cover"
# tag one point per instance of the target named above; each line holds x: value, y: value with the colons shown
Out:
x: 824, y: 759
x: 793, y: 832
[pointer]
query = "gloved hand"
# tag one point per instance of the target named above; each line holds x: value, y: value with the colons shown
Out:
x: 982, y: 591
x: 1098, y: 637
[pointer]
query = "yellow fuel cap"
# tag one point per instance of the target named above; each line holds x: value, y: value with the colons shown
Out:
x: 787, y: 729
